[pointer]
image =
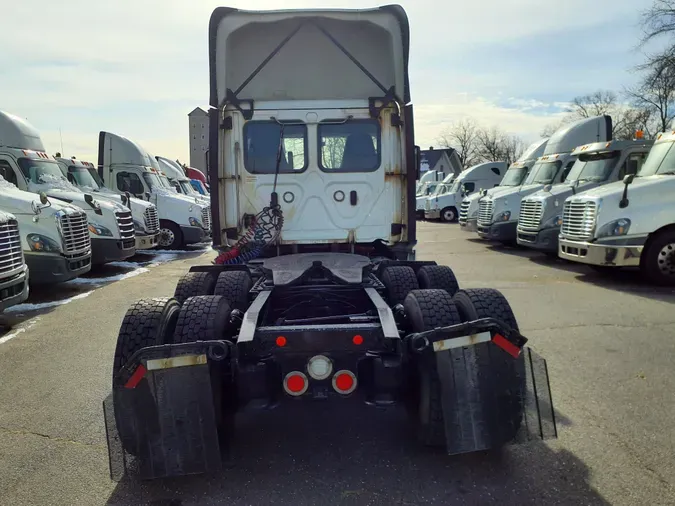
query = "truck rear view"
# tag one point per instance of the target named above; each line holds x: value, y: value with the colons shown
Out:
x: 316, y: 294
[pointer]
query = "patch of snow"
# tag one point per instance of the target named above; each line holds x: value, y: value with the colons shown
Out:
x: 52, y: 182
x: 27, y: 325
x: 6, y: 185
x: 24, y: 308
x: 109, y: 279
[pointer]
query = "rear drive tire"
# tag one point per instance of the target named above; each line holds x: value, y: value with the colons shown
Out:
x: 170, y: 236
x: 193, y: 284
x: 202, y: 318
x: 426, y: 310
x: 658, y: 259
x: 437, y: 277
x: 148, y: 322
x: 449, y: 214
x: 234, y: 286
x: 398, y: 280
x: 501, y: 377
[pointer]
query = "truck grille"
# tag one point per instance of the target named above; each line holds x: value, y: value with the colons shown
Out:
x: 530, y: 215
x: 151, y: 220
x: 11, y: 255
x: 578, y: 220
x: 206, y: 218
x: 464, y: 211
x: 125, y: 222
x: 485, y: 208
x: 75, y: 231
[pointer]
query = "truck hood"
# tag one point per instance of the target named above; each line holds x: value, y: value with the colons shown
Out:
x: 564, y: 190
x: 19, y: 202
x: 639, y: 184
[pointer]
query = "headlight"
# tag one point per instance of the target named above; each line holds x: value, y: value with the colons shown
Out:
x: 38, y: 242
x: 615, y: 228
x: 195, y: 222
x: 138, y: 226
x: 503, y: 216
x: 556, y: 221
x: 99, y: 230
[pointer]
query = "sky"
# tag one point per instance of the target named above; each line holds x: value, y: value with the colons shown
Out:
x: 137, y: 68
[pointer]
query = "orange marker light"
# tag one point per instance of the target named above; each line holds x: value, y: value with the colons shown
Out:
x: 357, y: 340
x: 281, y: 341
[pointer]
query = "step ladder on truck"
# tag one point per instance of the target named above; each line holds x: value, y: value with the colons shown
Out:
x: 316, y: 294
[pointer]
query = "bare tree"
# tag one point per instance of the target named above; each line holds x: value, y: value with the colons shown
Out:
x: 463, y: 137
x: 513, y: 148
x: 656, y: 93
x: 490, y: 144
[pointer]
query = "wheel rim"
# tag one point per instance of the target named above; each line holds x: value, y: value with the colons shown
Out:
x: 166, y: 237
x: 666, y: 260
x: 449, y: 215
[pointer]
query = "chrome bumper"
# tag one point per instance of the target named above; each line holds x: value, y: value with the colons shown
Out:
x: 470, y: 225
x: 146, y: 241
x: 599, y: 254
x: 432, y: 214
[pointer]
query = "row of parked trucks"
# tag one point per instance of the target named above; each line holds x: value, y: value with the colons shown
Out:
x: 60, y: 216
x: 579, y: 195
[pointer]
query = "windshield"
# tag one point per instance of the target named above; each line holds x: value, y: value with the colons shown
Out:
x: 514, y: 176
x: 187, y: 187
x: 81, y: 176
x: 594, y: 166
x: 44, y: 172
x: 441, y: 188
x: 152, y: 181
x: 543, y: 173
x: 456, y: 186
x: 661, y: 160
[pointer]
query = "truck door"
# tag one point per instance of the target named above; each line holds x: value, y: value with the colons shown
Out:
x: 127, y: 181
x: 331, y: 183
x: 7, y: 172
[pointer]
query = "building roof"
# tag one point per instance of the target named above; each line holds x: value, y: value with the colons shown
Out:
x: 198, y: 111
x: 434, y: 155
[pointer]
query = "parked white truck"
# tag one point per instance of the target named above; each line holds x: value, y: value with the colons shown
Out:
x: 177, y: 177
x: 125, y: 166
x: 597, y: 164
x: 498, y: 214
x: 146, y: 221
x: 482, y: 176
x: 13, y: 268
x: 33, y: 170
x: 515, y: 176
x: 429, y: 189
x: 627, y: 223
x: 54, y: 235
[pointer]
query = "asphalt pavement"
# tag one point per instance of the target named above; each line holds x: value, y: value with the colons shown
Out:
x: 609, y: 341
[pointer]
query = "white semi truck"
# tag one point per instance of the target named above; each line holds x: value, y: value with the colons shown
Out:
x: 146, y: 220
x: 431, y: 188
x: 125, y: 166
x: 498, y: 214
x: 54, y: 234
x: 13, y: 269
x: 110, y: 225
x: 598, y: 164
x: 515, y: 176
x: 474, y: 179
x: 316, y: 295
x: 627, y: 223
x: 177, y: 177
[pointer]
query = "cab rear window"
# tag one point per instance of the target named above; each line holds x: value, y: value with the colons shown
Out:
x: 261, y: 144
x: 349, y: 146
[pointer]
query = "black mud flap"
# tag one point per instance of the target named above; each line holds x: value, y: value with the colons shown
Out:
x: 162, y: 422
x: 491, y: 399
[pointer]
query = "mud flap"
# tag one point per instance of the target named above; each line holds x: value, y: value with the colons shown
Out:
x: 165, y: 425
x: 490, y: 399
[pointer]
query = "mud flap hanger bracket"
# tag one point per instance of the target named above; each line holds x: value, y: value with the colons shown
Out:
x: 232, y: 98
x: 510, y: 340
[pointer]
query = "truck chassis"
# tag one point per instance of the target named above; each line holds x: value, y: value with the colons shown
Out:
x: 318, y: 326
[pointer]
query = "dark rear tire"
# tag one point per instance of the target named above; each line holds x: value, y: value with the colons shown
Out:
x: 501, y: 378
x: 426, y: 310
x: 658, y: 259
x: 170, y: 236
x: 193, y: 284
x: 449, y: 214
x: 148, y: 322
x: 202, y: 318
x: 398, y: 280
x: 234, y: 286
x: 437, y: 277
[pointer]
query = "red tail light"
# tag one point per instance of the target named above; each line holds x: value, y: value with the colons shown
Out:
x: 344, y: 382
x: 295, y: 383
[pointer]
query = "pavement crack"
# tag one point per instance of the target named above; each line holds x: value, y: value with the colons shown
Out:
x: 25, y: 432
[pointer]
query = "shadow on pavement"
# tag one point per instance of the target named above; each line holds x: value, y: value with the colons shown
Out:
x: 351, y: 454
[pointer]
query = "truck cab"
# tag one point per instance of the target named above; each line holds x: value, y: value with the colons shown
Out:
x: 54, y: 235
x: 146, y: 221
x: 31, y: 169
x: 515, y: 176
x: 13, y: 269
x: 177, y: 177
x: 498, y: 214
x: 597, y: 164
x: 474, y: 179
x: 627, y: 223
x: 431, y: 188
x: 125, y: 166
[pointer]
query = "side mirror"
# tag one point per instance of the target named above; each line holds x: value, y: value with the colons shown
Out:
x: 631, y: 166
x: 418, y: 161
x: 147, y: 195
x: 43, y: 199
x: 88, y: 198
x: 628, y: 179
